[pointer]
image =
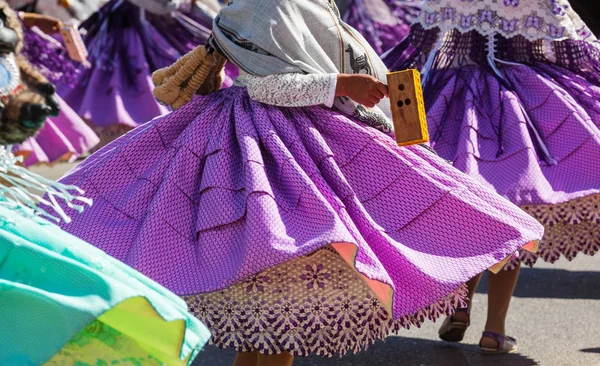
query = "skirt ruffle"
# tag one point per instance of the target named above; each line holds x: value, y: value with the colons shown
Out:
x: 571, y: 228
x: 63, y: 138
x: 226, y: 187
x: 66, y: 302
x: 126, y: 45
x: 316, y: 304
x: 381, y: 22
x: 530, y: 129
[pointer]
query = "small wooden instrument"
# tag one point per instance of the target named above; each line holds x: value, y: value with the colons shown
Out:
x: 408, y: 107
x: 75, y: 45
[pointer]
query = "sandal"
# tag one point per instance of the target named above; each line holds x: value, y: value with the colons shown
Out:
x: 452, y: 330
x: 506, y: 344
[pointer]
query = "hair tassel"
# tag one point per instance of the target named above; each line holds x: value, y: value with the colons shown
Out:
x: 199, y: 71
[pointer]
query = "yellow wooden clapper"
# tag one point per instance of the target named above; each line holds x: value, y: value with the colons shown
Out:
x: 408, y: 107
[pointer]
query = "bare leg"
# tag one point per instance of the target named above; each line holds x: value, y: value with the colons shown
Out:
x: 500, y: 290
x: 282, y: 359
x: 246, y: 359
x: 463, y: 316
x: 454, y: 327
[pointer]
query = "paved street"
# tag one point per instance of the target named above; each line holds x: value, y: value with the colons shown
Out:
x: 555, y: 315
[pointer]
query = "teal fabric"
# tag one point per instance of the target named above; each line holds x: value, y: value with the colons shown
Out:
x: 53, y: 284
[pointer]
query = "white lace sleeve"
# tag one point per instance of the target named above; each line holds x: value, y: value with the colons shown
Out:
x: 291, y: 90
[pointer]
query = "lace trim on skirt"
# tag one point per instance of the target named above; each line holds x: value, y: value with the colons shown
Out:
x: 313, y: 304
x: 571, y: 227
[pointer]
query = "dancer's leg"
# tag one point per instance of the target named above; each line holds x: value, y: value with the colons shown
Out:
x: 500, y: 290
x: 282, y: 359
x: 246, y: 359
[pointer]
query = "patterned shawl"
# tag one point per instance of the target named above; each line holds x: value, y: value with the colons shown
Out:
x: 265, y: 37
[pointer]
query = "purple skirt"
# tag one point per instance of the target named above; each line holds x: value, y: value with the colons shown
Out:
x: 63, y: 138
x: 532, y: 133
x: 49, y: 56
x: 224, y: 188
x: 66, y: 136
x: 117, y: 88
x: 126, y: 45
x: 383, y: 23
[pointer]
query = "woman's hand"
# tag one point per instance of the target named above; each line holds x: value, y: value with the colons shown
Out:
x: 361, y: 88
x: 46, y: 24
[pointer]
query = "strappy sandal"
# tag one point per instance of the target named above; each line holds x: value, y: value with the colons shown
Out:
x: 506, y: 344
x: 452, y: 330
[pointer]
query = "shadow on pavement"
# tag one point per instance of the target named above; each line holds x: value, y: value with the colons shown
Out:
x: 395, y: 351
x: 554, y: 284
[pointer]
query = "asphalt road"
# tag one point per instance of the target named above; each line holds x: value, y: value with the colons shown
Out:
x: 555, y: 315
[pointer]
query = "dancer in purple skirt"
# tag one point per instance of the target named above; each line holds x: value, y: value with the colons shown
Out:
x: 381, y: 22
x: 127, y: 41
x: 66, y: 136
x: 512, y: 90
x: 280, y: 208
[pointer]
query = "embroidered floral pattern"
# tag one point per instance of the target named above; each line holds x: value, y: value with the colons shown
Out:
x: 533, y: 19
x: 314, y: 304
x: 571, y: 227
x: 100, y: 344
x: 315, y: 276
x: 257, y: 283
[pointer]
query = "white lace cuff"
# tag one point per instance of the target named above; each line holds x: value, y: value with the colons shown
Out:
x: 291, y: 90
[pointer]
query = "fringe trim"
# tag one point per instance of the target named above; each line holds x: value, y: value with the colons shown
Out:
x: 33, y: 194
x: 376, y: 328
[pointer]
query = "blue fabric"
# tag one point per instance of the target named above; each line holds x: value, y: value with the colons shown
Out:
x: 53, y: 284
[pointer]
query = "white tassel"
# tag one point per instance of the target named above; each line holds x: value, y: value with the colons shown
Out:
x: 491, y: 55
x: 26, y: 191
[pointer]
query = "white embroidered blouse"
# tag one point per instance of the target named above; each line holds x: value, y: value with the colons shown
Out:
x: 291, y: 90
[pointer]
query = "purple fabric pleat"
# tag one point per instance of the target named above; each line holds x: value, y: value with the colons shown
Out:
x: 66, y: 136
x: 117, y: 93
x: 49, y: 57
x: 533, y: 134
x: 126, y: 45
x: 226, y: 187
x: 382, y: 23
x: 117, y: 89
